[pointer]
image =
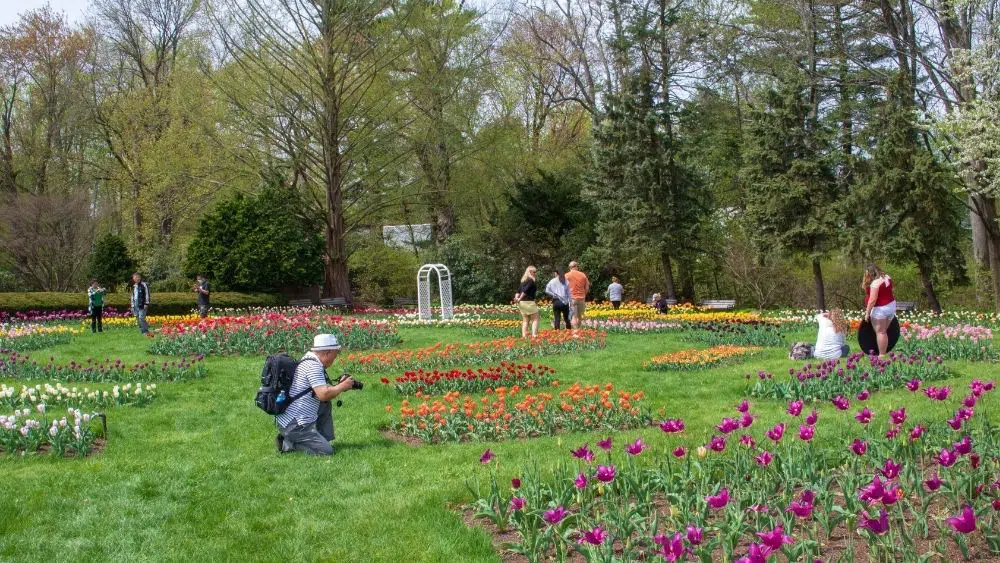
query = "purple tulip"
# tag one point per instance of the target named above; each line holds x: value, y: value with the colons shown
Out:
x: 555, y: 515
x: 933, y: 482
x: 974, y: 461
x: 864, y: 416
x: 916, y: 433
x: 841, y: 403
x: 937, y: 394
x: 743, y: 407
x: 718, y: 501
x: 864, y: 395
x: 748, y: 441
x: 890, y: 470
x: 892, y: 432
x: 605, y: 444
x: 672, y: 549
x: 694, y: 535
x: 673, y: 425
x: 859, y: 447
x: 964, y: 523
x: 717, y: 443
x: 898, y: 416
x: 635, y: 448
x: 963, y: 446
x: 970, y: 401
x: 964, y: 413
x: 806, y: 432
x: 777, y: 432
x: 584, y: 453
x: 746, y: 421
x: 872, y: 492
x: 487, y: 456
x: 593, y: 537
x: 756, y: 553
x: 581, y: 481
x: 605, y: 473
x: 795, y: 408
x: 812, y: 418
x: 515, y: 483
x: 800, y: 508
x: 775, y: 538
x: 727, y: 425
x: 891, y: 495
x: 679, y: 451
x: 516, y: 503
x: 877, y: 527
x: 764, y: 458
x: 947, y: 457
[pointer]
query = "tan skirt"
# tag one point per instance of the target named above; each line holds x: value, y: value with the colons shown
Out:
x: 527, y: 308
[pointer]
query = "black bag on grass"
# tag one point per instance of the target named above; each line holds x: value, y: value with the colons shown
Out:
x: 274, y: 395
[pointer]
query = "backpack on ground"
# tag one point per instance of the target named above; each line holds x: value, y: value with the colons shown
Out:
x: 274, y: 396
x: 800, y: 351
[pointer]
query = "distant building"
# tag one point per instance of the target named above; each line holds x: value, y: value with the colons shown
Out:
x: 407, y: 237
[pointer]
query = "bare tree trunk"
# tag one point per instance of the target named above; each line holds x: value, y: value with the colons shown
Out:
x: 980, y: 236
x: 668, y: 275
x: 818, y: 279
x: 924, y: 267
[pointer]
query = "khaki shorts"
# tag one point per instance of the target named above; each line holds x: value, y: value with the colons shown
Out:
x: 527, y: 308
x: 578, y: 307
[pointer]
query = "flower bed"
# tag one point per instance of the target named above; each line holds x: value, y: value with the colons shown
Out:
x: 962, y: 342
x: 923, y: 317
x: 858, y: 374
x: 506, y: 413
x: 472, y: 381
x: 33, y: 336
x: 31, y: 430
x: 742, y: 333
x: 700, y: 358
x: 58, y: 316
x: 768, y: 496
x: 270, y: 333
x: 617, y: 326
x: 14, y: 365
x: 49, y: 395
x: 489, y: 351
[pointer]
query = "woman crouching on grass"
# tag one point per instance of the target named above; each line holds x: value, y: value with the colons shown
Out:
x: 525, y: 299
x: 830, y: 339
x: 880, y: 304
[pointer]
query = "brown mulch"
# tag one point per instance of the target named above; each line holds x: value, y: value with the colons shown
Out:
x: 411, y: 441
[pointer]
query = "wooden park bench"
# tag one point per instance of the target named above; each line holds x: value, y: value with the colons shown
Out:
x: 300, y: 302
x: 336, y: 302
x: 404, y: 302
x: 906, y: 306
x: 720, y: 304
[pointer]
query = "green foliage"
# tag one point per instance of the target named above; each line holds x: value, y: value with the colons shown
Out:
x: 110, y: 263
x: 379, y: 273
x: 161, y: 303
x: 480, y: 267
x: 257, y: 243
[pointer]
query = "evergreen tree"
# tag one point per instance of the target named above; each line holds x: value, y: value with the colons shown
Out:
x: 110, y: 262
x: 791, y: 191
x: 907, y: 208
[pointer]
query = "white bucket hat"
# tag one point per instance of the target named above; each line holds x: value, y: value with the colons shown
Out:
x: 324, y: 342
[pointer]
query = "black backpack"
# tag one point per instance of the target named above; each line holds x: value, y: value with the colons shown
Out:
x: 274, y: 396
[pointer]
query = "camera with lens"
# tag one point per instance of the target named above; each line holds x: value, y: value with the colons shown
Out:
x: 356, y: 385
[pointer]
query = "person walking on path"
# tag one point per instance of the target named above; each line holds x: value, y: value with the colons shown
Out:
x: 880, y: 304
x: 95, y: 306
x: 140, y: 302
x: 203, y: 290
x: 525, y: 299
x: 558, y: 290
x: 579, y: 286
x: 615, y: 292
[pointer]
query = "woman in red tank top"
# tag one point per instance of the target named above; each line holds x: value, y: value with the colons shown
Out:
x: 880, y: 304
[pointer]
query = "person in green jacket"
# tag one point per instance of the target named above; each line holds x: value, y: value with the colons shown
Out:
x: 95, y: 305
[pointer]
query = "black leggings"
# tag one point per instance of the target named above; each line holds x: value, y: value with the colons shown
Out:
x: 616, y: 304
x: 96, y: 315
x: 564, y: 310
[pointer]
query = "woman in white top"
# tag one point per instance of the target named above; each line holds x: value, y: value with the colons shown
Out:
x: 830, y: 340
x: 615, y: 292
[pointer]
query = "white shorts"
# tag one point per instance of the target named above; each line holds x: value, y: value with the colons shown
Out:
x: 885, y: 311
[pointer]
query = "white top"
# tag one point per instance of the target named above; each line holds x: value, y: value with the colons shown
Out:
x: 615, y: 291
x: 557, y: 290
x: 828, y: 341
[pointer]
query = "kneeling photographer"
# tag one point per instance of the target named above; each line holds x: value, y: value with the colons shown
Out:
x: 306, y: 425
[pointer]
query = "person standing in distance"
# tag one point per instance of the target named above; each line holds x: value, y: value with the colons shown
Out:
x: 525, y: 299
x: 615, y: 292
x: 307, y: 423
x: 95, y: 305
x: 880, y: 304
x: 203, y: 290
x: 579, y: 286
x: 558, y: 290
x: 140, y: 301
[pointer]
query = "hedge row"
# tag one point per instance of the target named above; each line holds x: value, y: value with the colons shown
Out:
x: 160, y: 303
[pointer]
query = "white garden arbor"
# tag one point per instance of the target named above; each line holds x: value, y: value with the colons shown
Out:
x: 424, y: 291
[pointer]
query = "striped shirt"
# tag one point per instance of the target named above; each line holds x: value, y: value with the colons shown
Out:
x: 309, y: 375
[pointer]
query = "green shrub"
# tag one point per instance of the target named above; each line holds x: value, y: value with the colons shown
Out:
x: 162, y: 303
x: 110, y: 262
x: 379, y: 273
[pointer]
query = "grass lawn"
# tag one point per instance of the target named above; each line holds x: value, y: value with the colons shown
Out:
x: 195, y: 476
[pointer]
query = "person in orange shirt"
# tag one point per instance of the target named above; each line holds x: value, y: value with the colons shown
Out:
x: 579, y: 286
